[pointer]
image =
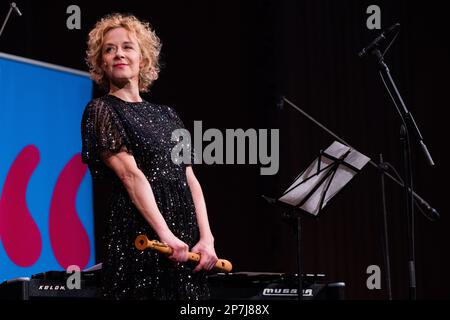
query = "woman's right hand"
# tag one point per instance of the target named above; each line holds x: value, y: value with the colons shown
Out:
x: 180, y: 249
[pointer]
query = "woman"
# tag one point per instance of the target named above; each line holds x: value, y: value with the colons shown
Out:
x: 128, y: 140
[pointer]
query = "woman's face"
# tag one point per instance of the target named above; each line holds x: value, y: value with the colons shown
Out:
x: 121, y: 56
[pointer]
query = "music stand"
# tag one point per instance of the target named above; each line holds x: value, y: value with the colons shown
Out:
x: 314, y: 187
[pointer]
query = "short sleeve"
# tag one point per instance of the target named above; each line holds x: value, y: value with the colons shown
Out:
x: 102, y: 134
x: 180, y: 124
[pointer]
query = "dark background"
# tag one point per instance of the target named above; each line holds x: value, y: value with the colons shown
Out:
x: 227, y: 63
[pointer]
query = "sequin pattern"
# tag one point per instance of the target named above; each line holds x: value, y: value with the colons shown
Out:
x: 143, y: 129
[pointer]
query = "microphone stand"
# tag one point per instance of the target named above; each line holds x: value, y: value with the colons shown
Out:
x: 385, y: 240
x: 407, y: 123
x: 405, y: 114
x: 12, y: 7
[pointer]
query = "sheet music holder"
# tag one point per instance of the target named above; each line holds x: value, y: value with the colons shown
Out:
x: 313, y: 188
x: 324, y: 178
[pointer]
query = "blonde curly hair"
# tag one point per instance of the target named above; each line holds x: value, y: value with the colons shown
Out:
x: 149, y: 44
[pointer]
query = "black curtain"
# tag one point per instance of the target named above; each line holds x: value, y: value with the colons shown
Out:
x: 228, y: 63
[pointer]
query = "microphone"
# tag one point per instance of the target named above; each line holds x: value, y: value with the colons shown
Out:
x: 378, y: 39
x: 433, y: 213
x: 16, y: 9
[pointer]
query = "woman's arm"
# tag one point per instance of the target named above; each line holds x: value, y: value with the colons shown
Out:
x: 200, y: 206
x: 141, y: 194
x: 205, y: 246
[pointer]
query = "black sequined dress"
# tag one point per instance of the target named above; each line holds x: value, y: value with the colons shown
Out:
x: 143, y: 129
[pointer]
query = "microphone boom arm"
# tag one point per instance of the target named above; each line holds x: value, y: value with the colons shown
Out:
x: 12, y: 7
x: 434, y: 214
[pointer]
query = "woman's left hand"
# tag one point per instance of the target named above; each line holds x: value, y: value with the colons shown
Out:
x: 208, y: 257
